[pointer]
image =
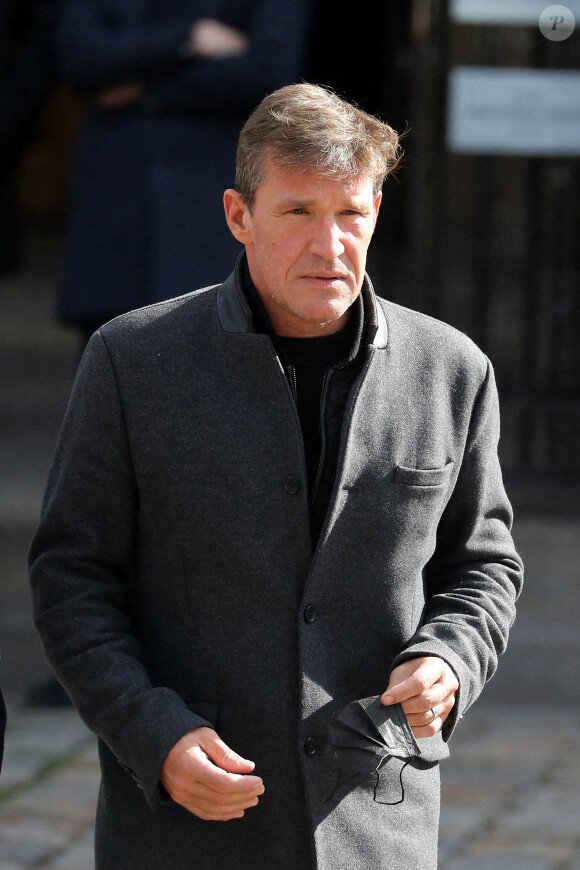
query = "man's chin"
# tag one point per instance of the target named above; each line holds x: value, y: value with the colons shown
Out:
x: 329, y: 318
x: 328, y: 304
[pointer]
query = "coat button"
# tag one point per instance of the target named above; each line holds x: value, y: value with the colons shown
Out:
x: 310, y: 613
x: 310, y: 747
x: 291, y: 484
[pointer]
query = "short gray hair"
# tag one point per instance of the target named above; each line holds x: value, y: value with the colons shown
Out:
x: 309, y: 127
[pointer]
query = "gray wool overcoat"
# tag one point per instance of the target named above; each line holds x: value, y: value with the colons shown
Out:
x: 174, y: 582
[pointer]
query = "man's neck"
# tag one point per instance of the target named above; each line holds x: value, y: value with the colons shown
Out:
x: 262, y: 322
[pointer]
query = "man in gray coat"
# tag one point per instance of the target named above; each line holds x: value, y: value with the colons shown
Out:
x: 274, y: 566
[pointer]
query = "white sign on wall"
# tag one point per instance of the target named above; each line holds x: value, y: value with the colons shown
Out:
x: 523, y: 112
x: 511, y: 12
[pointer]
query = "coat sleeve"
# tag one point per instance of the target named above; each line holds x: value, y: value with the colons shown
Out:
x: 95, y: 51
x: 475, y: 574
x: 80, y: 563
x: 277, y: 34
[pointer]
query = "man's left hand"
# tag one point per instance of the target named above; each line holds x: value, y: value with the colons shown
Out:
x: 425, y: 687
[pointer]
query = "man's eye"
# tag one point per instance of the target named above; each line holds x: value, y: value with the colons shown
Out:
x: 297, y: 211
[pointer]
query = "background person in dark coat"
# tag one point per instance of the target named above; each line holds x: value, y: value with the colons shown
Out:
x: 27, y: 75
x: 276, y: 526
x: 170, y: 84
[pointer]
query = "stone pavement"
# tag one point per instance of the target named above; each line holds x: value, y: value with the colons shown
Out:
x: 48, y: 791
x: 511, y: 789
x: 511, y: 796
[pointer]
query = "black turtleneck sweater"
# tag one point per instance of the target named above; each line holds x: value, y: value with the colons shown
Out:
x: 310, y: 360
x: 320, y: 371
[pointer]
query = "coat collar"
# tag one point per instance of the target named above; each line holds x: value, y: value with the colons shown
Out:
x: 235, y: 315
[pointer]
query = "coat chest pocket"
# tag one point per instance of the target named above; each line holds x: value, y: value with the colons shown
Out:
x: 423, y: 477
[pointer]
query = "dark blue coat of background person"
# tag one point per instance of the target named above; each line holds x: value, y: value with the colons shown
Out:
x: 27, y: 75
x: 158, y: 147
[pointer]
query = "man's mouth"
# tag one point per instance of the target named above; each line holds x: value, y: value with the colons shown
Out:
x: 326, y: 276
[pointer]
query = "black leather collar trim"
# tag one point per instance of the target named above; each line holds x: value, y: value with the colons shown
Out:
x: 374, y: 315
x: 233, y: 310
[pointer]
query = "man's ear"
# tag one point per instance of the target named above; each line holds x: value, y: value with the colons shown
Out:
x: 238, y: 216
x: 378, y: 199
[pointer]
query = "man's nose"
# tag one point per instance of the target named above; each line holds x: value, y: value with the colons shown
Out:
x: 327, y: 240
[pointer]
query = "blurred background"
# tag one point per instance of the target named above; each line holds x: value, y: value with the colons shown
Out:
x: 480, y: 228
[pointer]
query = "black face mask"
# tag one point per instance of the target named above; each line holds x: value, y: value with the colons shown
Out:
x: 364, y: 737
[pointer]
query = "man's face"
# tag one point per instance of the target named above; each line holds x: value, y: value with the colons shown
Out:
x: 306, y: 243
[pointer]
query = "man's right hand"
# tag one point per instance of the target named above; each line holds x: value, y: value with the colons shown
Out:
x: 207, y: 778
